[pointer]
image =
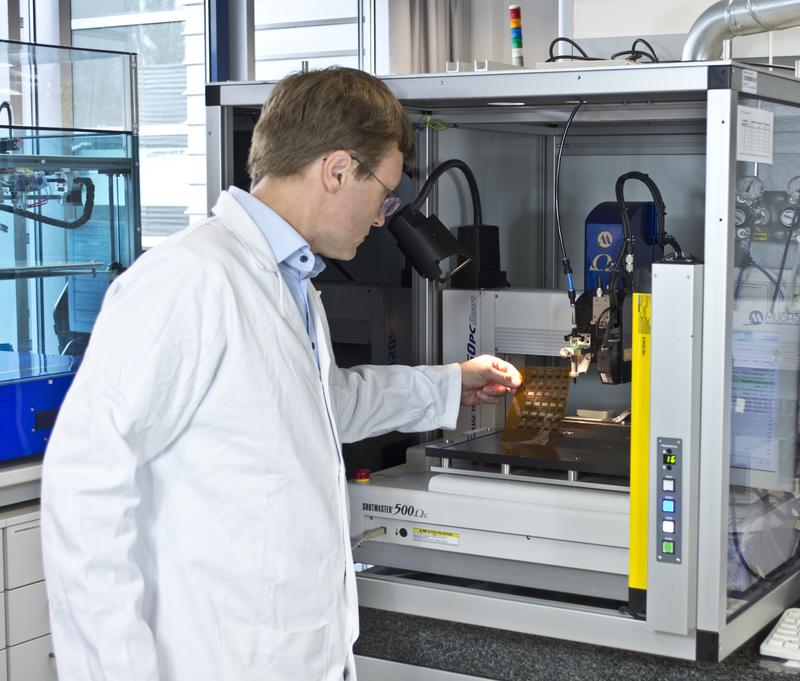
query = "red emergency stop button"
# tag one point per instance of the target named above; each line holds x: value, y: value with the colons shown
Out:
x: 361, y: 475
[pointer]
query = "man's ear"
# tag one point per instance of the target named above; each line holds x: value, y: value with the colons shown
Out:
x: 335, y: 167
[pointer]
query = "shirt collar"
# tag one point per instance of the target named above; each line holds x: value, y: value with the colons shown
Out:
x: 286, y: 243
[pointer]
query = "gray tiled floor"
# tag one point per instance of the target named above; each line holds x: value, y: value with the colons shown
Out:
x: 510, y: 656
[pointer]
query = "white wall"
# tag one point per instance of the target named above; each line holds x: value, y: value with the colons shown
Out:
x: 646, y: 18
x: 491, y: 35
x: 610, y: 18
x: 600, y: 20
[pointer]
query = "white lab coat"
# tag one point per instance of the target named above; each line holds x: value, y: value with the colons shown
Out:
x: 194, y: 506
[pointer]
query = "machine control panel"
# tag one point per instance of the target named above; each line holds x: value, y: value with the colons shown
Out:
x: 668, y: 497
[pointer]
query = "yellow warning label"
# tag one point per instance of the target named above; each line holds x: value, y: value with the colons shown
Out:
x: 436, y: 536
x: 642, y: 315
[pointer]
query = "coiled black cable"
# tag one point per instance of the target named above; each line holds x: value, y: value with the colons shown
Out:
x: 558, y: 57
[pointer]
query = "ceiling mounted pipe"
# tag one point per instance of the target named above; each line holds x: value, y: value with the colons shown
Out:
x: 731, y: 18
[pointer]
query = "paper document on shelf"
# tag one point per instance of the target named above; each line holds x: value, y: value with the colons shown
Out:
x: 754, y: 394
x: 755, y: 131
x: 756, y: 350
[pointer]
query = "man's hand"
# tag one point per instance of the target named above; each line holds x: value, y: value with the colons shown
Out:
x: 486, y: 379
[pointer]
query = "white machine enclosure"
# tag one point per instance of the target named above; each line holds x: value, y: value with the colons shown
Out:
x: 546, y: 536
x: 547, y: 529
x: 681, y: 123
x: 549, y: 534
x: 553, y: 535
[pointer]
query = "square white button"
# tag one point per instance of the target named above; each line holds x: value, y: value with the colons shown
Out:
x: 668, y: 484
x: 668, y: 526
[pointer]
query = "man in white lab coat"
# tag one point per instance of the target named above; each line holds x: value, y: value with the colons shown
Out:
x: 194, y: 506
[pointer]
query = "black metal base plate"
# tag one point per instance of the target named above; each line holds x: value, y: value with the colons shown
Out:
x: 593, y: 448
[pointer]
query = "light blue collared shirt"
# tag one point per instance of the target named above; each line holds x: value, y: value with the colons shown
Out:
x: 292, y: 253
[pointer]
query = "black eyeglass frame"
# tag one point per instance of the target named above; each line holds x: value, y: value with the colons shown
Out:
x: 391, y: 203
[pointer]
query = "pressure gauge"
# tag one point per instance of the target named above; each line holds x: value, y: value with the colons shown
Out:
x: 794, y: 189
x: 761, y: 216
x: 749, y: 189
x: 787, y: 216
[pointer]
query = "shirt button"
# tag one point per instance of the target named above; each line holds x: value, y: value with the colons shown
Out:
x: 303, y: 258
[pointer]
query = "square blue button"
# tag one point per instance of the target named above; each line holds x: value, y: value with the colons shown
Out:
x: 668, y: 505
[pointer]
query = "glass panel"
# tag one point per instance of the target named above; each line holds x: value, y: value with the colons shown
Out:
x: 67, y: 226
x: 282, y: 41
x: 765, y: 339
x: 270, y: 12
x: 163, y: 118
x: 90, y: 9
x: 307, y: 40
x: 161, y: 71
x: 99, y: 84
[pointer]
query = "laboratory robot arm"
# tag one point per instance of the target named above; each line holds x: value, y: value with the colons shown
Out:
x: 148, y: 365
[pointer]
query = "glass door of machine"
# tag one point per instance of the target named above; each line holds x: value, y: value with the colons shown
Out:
x: 763, y: 509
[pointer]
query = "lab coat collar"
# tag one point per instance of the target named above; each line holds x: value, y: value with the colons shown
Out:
x: 288, y: 246
x: 237, y: 220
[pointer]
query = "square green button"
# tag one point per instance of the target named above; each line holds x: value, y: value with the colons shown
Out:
x: 667, y: 547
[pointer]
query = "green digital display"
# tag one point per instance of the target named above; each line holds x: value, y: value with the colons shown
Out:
x: 670, y: 459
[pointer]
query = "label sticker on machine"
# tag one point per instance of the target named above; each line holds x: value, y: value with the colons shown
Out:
x: 436, y: 536
x: 750, y: 81
x: 754, y: 134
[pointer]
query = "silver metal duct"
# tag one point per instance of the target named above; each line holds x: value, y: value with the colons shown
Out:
x: 730, y: 18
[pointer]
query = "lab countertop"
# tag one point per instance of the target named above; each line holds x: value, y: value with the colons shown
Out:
x: 510, y: 656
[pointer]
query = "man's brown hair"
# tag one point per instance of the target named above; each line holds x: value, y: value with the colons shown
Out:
x: 311, y: 114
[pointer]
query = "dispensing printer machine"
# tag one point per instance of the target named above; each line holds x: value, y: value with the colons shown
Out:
x: 648, y: 531
x: 673, y: 531
x: 537, y: 512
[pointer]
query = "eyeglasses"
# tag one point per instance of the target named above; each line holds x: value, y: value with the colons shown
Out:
x: 391, y: 203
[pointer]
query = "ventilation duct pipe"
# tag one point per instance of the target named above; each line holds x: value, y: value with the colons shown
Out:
x: 731, y: 18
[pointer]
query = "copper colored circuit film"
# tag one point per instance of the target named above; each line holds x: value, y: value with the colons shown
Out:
x: 537, y: 409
